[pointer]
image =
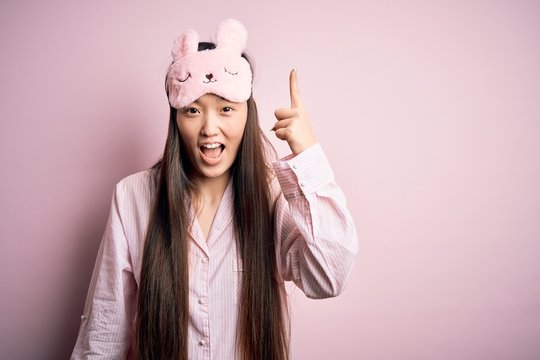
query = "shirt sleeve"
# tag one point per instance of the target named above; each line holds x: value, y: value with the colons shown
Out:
x: 107, y: 322
x: 315, y: 231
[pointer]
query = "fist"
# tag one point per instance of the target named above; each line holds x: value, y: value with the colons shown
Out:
x: 293, y: 123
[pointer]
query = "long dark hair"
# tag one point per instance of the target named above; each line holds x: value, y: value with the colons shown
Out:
x: 163, y: 306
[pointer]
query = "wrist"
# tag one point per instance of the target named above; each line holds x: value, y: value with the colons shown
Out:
x: 300, y: 147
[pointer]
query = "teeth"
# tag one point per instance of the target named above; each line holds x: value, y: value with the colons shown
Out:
x: 211, y: 146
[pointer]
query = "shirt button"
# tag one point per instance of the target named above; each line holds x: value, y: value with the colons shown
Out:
x: 295, y: 166
x: 201, y: 300
x: 83, y: 317
x: 302, y: 184
x: 202, y: 342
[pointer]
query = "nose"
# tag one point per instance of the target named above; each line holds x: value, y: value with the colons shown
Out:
x: 209, y: 76
x: 210, y: 126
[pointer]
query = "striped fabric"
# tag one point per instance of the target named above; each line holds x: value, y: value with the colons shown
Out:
x: 317, y: 246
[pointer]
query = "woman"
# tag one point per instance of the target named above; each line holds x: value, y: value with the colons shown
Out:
x: 196, y: 250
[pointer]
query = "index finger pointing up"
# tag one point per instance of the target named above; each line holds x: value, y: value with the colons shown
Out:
x: 293, y: 85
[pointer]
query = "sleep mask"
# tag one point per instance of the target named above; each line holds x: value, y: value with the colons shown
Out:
x: 221, y: 71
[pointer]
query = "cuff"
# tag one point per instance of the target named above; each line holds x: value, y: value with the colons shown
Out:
x: 304, y: 173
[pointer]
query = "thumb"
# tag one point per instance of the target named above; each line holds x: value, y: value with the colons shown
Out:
x: 293, y: 85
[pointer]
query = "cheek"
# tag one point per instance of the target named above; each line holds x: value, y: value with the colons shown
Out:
x: 186, y: 133
x: 240, y: 124
x: 236, y: 131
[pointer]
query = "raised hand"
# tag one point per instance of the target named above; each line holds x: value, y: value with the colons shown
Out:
x: 293, y: 123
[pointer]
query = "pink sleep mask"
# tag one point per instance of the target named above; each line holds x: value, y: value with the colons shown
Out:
x: 221, y: 71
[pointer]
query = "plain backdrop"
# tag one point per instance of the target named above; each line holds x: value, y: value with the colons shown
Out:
x: 429, y: 112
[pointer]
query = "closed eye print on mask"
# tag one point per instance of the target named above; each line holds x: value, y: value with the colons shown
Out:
x: 231, y: 72
x: 187, y: 77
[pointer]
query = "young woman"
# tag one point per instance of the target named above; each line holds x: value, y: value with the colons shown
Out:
x: 197, y: 248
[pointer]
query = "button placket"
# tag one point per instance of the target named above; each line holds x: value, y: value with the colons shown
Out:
x: 237, y: 277
x: 203, y: 342
x: 202, y: 300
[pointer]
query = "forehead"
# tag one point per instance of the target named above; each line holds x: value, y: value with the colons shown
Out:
x: 210, y: 99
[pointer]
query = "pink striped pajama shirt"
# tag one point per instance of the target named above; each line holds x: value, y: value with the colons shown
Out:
x: 316, y: 240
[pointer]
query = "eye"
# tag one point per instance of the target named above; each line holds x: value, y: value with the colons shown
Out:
x: 227, y: 109
x: 191, y: 111
x: 232, y: 73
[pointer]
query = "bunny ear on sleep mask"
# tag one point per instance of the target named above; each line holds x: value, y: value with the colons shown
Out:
x: 221, y: 71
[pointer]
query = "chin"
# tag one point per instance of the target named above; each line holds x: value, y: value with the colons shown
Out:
x: 214, y: 173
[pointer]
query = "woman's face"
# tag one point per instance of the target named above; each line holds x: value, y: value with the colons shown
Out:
x: 211, y: 129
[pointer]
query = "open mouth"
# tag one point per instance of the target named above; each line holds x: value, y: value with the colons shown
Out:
x: 209, y: 81
x: 213, y: 150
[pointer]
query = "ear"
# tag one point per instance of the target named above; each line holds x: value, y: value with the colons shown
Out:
x: 232, y: 35
x: 186, y: 43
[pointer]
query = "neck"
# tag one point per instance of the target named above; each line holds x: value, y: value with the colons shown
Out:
x: 211, y: 189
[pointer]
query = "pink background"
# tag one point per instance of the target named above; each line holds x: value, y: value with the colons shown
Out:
x: 428, y: 110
